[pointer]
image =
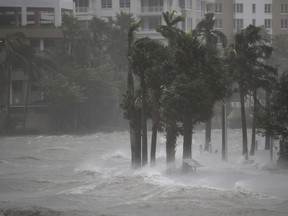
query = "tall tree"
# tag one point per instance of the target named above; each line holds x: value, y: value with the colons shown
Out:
x: 170, y: 32
x: 145, y: 54
x: 128, y: 104
x: 206, y: 32
x: 201, y: 81
x: 246, y: 54
x: 277, y: 120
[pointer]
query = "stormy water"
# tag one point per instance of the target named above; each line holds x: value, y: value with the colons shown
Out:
x: 91, y: 175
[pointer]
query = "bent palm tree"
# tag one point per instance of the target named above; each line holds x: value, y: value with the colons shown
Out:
x: 145, y: 56
x: 205, y: 30
x: 249, y: 51
x: 170, y: 32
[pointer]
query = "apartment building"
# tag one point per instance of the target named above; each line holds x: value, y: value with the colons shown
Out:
x: 232, y: 15
x: 280, y: 17
x: 149, y: 11
x: 40, y: 21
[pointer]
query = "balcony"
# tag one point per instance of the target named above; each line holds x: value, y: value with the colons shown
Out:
x: 81, y: 9
x: 151, y: 9
x: 33, y: 32
x: 209, y: 1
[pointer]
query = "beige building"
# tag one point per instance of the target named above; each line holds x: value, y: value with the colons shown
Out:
x: 280, y: 17
x: 40, y: 21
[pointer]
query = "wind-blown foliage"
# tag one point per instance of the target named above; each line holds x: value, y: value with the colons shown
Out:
x: 246, y: 57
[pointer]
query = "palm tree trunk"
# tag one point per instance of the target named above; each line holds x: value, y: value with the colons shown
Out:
x: 135, y: 140
x: 138, y: 156
x: 187, y: 143
x: 187, y: 139
x: 171, y: 136
x: 244, y: 125
x: 26, y: 104
x: 267, y: 133
x: 144, y: 121
x: 7, y: 119
x: 208, y: 136
x: 253, y: 139
x: 155, y: 123
x: 153, y: 145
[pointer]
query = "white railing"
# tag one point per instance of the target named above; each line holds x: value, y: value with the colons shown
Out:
x: 151, y: 9
x: 82, y: 9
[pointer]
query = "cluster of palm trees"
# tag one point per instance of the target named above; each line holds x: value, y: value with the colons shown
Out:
x: 179, y: 83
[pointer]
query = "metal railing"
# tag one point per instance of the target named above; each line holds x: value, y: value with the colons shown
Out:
x: 151, y: 9
x: 82, y: 9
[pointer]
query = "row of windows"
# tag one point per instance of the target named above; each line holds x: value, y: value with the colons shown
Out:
x: 238, y: 8
x: 238, y: 23
x: 187, y: 4
x: 83, y: 5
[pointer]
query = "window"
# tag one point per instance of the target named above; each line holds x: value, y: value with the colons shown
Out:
x: 218, y: 24
x: 218, y: 8
x: 17, y: 86
x: 124, y: 3
x: 198, y: 5
x: 253, y: 8
x: 185, y: 4
x: 183, y: 24
x: 106, y: 3
x: 284, y: 8
x: 254, y: 22
x: 187, y: 24
x: 267, y: 8
x: 284, y: 24
x: 152, y: 5
x: 267, y: 23
x: 238, y: 23
x: 238, y: 8
x: 81, y: 6
x: 150, y: 23
x: 189, y: 4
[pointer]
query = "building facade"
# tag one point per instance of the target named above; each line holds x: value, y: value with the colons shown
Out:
x: 40, y: 21
x: 230, y: 15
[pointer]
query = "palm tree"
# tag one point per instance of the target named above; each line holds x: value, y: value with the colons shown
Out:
x: 247, y: 55
x: 200, y: 82
x: 206, y: 32
x: 145, y: 54
x: 170, y: 32
x: 15, y: 50
x: 131, y: 111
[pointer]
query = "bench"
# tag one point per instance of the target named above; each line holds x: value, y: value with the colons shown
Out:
x: 191, y: 163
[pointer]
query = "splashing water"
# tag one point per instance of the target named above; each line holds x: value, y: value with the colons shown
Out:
x: 91, y: 175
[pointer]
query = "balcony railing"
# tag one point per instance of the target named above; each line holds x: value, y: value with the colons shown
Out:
x: 151, y: 9
x: 82, y: 9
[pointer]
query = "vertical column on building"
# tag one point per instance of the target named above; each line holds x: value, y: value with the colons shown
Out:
x: 57, y: 16
x: 23, y: 16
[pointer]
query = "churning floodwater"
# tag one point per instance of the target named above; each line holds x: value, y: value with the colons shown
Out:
x: 91, y: 175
